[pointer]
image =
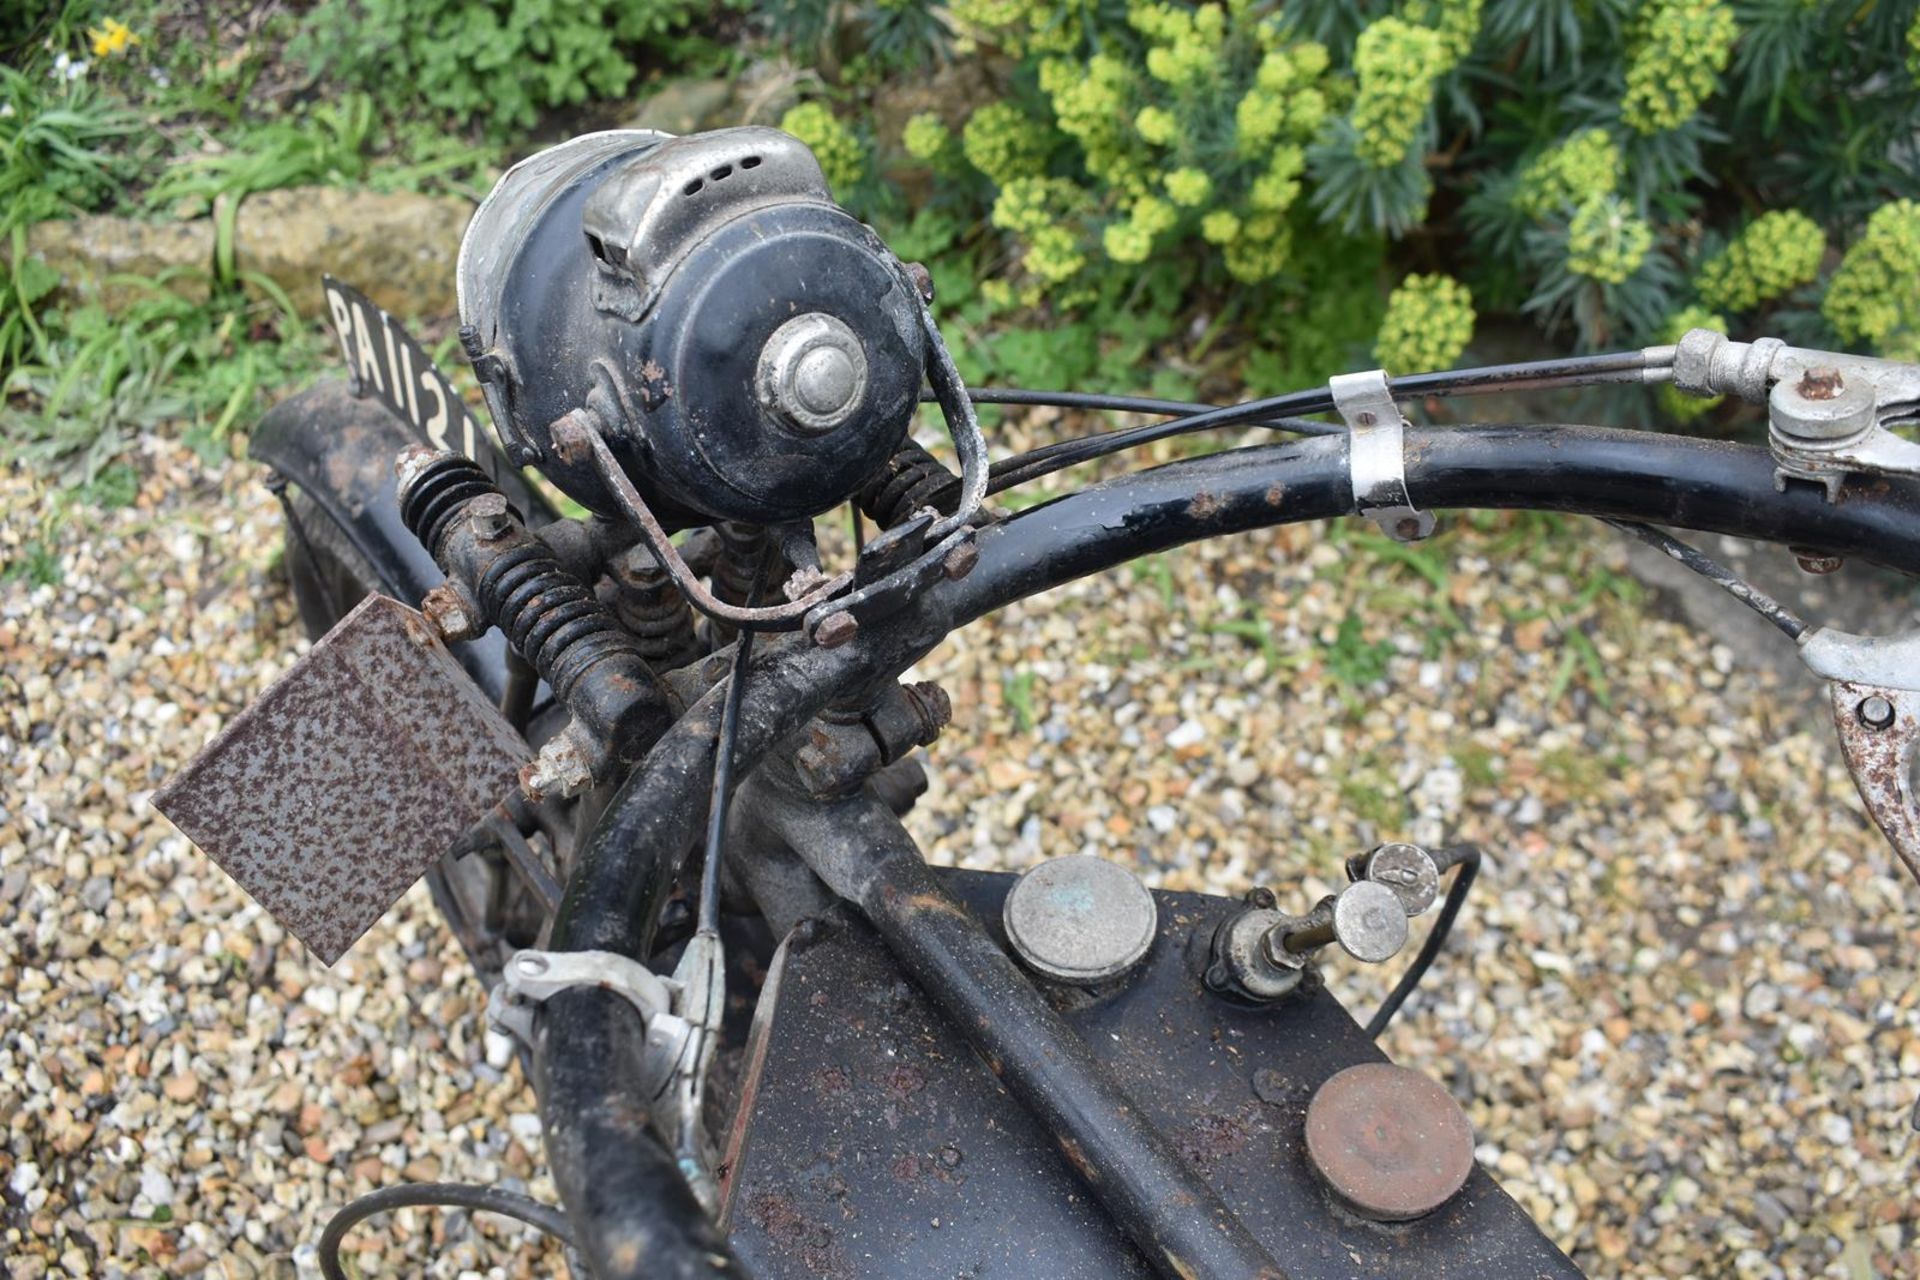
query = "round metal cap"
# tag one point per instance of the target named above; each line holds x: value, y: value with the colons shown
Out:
x: 1369, y: 922
x: 1080, y: 919
x: 1821, y: 405
x: 1390, y: 1142
x: 812, y: 372
x: 1409, y: 871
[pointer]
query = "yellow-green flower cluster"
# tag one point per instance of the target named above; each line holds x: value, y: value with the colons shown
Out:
x: 1396, y: 63
x: 1606, y: 242
x: 841, y: 157
x: 1429, y: 322
x: 926, y: 136
x: 1680, y: 406
x: 1036, y: 210
x: 1676, y: 52
x: 1090, y: 105
x: 1286, y: 100
x: 1569, y: 174
x: 1157, y: 125
x: 1189, y: 187
x: 1132, y: 240
x: 1021, y: 26
x: 1874, y: 296
x: 1913, y: 48
x: 1183, y: 45
x: 1004, y: 143
x: 1456, y: 22
x: 1775, y: 252
x: 1260, y: 250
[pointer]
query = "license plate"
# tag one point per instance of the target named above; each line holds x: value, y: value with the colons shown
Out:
x: 386, y: 363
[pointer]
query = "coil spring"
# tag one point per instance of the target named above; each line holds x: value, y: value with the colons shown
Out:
x: 652, y: 608
x: 434, y: 499
x: 911, y: 479
x: 550, y: 617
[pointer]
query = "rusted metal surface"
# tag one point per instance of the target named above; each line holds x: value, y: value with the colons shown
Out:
x: 1880, y: 738
x: 882, y: 1147
x: 1390, y: 1142
x: 359, y: 767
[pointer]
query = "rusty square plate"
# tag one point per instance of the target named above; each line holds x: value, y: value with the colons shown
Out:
x: 349, y: 777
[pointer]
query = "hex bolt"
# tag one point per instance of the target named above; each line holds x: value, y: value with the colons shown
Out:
x: 487, y: 516
x: 836, y: 629
x: 1876, y: 712
x: 1821, y: 382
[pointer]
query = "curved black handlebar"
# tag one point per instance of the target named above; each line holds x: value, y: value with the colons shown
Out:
x: 612, y: 1174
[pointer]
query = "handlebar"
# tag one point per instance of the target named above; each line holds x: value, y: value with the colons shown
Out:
x: 607, y: 1165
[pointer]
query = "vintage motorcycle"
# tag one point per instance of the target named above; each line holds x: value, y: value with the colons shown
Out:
x: 652, y: 759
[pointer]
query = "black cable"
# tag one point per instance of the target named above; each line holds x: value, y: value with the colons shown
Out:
x: 1713, y: 571
x: 438, y: 1195
x: 1100, y: 402
x: 1536, y: 375
x: 723, y: 761
x: 1467, y: 858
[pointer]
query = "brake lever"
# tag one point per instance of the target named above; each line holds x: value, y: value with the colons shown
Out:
x: 1875, y: 685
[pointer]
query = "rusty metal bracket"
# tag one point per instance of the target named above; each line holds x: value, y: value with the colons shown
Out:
x: 348, y: 777
x: 578, y: 439
x: 1879, y: 728
x: 1376, y: 455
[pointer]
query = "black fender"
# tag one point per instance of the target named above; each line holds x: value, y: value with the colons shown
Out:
x: 338, y: 449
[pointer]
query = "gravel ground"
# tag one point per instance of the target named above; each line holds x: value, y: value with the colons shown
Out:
x: 1678, y: 1008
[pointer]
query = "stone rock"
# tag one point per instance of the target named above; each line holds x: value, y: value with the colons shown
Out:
x: 106, y: 259
x: 397, y: 248
x: 685, y: 106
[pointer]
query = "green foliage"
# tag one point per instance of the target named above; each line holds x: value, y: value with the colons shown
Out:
x: 56, y: 147
x: 86, y: 379
x: 1773, y: 254
x: 1676, y: 50
x: 1557, y: 156
x: 1428, y: 324
x: 1874, y: 297
x: 498, y: 64
x: 894, y: 34
x: 842, y: 157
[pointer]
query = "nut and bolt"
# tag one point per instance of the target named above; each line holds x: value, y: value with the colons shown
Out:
x: 935, y: 706
x: 836, y: 629
x: 1821, y: 382
x: 487, y: 517
x: 447, y: 613
x: 1876, y: 712
x: 960, y: 561
x: 559, y: 770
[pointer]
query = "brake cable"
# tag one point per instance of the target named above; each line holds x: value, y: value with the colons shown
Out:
x: 1643, y: 367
